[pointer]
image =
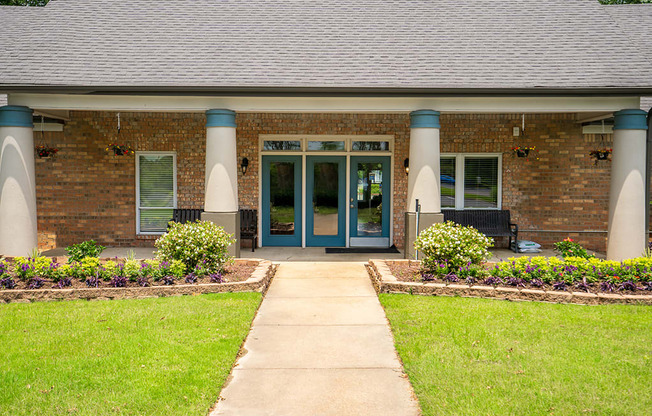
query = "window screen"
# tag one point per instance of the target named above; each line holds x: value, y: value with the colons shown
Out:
x: 156, y: 192
x: 481, y: 182
x: 447, y: 181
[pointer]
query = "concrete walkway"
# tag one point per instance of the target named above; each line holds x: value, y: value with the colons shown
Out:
x: 320, y: 345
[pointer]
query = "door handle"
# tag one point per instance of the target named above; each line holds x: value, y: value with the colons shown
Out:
x: 352, y: 206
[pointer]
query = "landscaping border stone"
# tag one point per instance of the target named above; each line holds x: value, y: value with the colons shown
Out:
x: 257, y: 282
x: 385, y: 282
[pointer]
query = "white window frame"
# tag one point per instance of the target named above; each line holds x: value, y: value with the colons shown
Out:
x: 138, y: 207
x: 460, y: 159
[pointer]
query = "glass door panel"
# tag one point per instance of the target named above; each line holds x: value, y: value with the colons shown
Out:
x: 281, y: 205
x: 326, y: 201
x: 370, y: 188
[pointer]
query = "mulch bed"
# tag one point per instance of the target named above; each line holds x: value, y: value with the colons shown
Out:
x: 238, y: 272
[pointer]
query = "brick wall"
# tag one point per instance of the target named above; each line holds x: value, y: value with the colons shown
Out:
x: 86, y: 193
x: 559, y: 188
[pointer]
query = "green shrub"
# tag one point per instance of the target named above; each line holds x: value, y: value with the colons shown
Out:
x: 90, y: 266
x: 454, y: 245
x: 200, y: 242
x: 177, y: 269
x: 77, y: 252
x: 131, y: 270
x: 569, y: 248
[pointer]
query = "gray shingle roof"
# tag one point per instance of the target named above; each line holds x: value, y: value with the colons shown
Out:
x: 636, y: 21
x: 646, y: 103
x: 313, y: 44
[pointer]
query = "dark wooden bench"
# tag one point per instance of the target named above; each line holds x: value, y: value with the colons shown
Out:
x: 249, y: 226
x: 186, y: 215
x: 492, y: 223
x: 248, y: 222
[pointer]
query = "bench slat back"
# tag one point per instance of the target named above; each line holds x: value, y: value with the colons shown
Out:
x: 186, y: 215
x: 248, y: 222
x: 493, y: 223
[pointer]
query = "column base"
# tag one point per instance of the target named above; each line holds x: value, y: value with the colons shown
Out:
x: 426, y: 220
x: 230, y: 221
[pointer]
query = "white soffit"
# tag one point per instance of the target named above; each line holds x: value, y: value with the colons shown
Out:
x: 51, y: 102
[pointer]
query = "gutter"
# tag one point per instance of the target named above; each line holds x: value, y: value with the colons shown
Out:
x: 335, y: 91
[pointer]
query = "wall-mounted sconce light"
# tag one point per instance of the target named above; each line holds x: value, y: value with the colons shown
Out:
x: 406, y: 165
x: 244, y: 165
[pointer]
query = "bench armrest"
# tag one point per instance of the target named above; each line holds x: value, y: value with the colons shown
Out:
x: 514, y: 228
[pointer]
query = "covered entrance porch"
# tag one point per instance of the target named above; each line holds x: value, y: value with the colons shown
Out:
x: 327, y: 189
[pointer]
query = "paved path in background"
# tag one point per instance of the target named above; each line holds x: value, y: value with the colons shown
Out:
x: 320, y: 345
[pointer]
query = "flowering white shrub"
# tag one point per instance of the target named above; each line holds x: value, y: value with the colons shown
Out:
x: 454, y: 245
x: 196, y: 243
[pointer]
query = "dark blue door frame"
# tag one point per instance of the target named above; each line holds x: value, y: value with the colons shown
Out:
x: 386, y: 190
x: 268, y: 239
x: 338, y: 240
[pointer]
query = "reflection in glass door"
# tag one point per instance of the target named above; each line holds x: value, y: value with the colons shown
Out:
x: 281, y: 204
x: 370, y: 188
x: 325, y: 201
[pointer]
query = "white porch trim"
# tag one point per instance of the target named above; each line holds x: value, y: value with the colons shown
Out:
x: 323, y: 104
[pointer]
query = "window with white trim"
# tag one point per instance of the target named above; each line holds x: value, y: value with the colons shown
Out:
x: 156, y: 191
x: 471, y: 181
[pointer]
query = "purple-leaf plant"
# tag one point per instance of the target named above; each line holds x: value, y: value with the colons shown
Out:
x: 559, y: 285
x: 583, y: 286
x: 628, y: 285
x: 119, y: 281
x: 607, y: 287
x: 515, y: 281
x: 191, y: 278
x: 450, y: 278
x: 63, y: 282
x: 142, y: 281
x: 536, y: 282
x: 93, y: 282
x: 216, y: 277
x: 8, y: 283
x: 428, y: 277
x: 35, y: 283
x: 168, y: 280
x: 493, y: 281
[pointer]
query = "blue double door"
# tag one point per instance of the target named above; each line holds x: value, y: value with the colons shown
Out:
x: 324, y: 207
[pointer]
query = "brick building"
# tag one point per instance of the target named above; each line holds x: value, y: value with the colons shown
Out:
x: 329, y: 121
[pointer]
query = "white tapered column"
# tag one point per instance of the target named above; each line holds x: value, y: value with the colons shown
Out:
x: 627, y: 235
x: 18, y: 234
x: 221, y: 190
x: 424, y: 175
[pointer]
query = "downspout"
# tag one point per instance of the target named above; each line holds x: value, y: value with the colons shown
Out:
x: 648, y: 174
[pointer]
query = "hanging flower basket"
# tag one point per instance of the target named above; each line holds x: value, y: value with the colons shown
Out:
x: 522, y: 151
x: 120, y: 149
x: 601, y: 154
x: 45, y: 151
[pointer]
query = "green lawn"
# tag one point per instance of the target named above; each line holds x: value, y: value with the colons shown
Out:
x: 488, y: 357
x: 143, y: 356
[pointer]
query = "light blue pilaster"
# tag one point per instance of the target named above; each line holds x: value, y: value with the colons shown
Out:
x: 631, y: 119
x: 428, y: 119
x: 220, y: 118
x: 16, y: 116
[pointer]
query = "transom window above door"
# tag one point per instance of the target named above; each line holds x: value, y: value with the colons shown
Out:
x: 275, y: 143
